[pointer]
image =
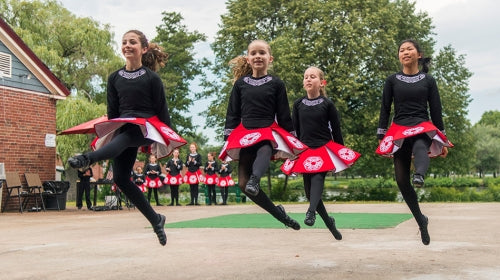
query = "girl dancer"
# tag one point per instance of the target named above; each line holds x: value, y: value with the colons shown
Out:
x: 193, y: 174
x: 225, y: 180
x: 136, y: 104
x: 317, y: 124
x: 258, y: 125
x: 174, y: 176
x: 210, y: 179
x: 153, y: 181
x: 411, y: 134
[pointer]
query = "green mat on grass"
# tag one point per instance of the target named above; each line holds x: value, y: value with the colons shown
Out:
x: 343, y: 220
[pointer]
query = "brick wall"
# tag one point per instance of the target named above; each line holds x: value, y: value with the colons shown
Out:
x: 25, y: 119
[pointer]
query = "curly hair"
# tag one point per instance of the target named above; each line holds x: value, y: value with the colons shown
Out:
x: 239, y: 67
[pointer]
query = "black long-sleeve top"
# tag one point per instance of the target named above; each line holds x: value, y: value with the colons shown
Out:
x: 414, y: 97
x: 137, y: 94
x: 174, y: 167
x: 257, y: 103
x: 225, y: 169
x: 138, y: 178
x: 150, y: 168
x: 316, y: 121
x: 193, y: 162
x: 211, y: 167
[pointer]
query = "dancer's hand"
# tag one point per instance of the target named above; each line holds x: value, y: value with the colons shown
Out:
x: 444, y: 152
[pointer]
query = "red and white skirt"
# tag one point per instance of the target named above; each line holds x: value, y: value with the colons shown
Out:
x: 225, y: 182
x: 210, y: 179
x: 396, y: 134
x: 193, y: 177
x: 153, y: 183
x: 173, y: 180
x: 329, y: 157
x: 287, y: 145
x: 165, y: 139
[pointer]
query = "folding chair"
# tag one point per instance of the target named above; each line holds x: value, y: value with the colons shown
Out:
x: 35, y: 189
x: 14, y: 188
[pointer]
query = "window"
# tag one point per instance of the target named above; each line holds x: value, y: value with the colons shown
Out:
x: 5, y: 65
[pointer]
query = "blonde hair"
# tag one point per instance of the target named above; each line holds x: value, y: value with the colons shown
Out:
x: 154, y: 58
x: 240, y: 66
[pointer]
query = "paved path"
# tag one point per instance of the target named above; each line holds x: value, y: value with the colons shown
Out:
x: 465, y: 244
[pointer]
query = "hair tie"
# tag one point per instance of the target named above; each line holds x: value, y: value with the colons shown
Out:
x: 323, y: 82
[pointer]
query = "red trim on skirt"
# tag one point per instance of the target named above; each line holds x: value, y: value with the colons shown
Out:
x: 395, y: 135
x: 287, y: 145
x: 329, y: 157
x: 166, y: 139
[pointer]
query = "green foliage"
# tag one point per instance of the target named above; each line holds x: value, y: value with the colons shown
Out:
x: 279, y: 193
x: 181, y: 69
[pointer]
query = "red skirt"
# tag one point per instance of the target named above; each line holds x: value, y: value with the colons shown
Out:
x: 225, y: 182
x: 329, y: 157
x: 287, y: 145
x: 165, y: 139
x: 154, y: 183
x: 396, y: 134
x: 210, y: 179
x: 173, y: 180
x: 193, y: 177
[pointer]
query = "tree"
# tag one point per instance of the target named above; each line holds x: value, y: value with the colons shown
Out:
x: 487, y: 132
x: 355, y: 42
x: 452, y: 79
x: 181, y: 69
x: 79, y: 51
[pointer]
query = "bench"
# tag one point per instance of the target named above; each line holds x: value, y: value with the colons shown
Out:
x: 235, y: 191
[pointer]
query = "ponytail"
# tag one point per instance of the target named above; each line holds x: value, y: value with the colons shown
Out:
x: 425, y: 62
x: 239, y: 67
x: 154, y: 58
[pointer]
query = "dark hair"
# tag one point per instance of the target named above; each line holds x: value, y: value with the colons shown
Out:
x: 154, y: 58
x: 424, y: 61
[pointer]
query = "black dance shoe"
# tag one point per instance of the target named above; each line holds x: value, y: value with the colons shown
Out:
x: 160, y: 230
x: 424, y: 234
x: 310, y: 218
x: 81, y: 161
x: 333, y: 229
x: 285, y: 219
x: 252, y: 186
x: 418, y: 181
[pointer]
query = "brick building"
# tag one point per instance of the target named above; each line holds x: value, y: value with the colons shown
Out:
x: 29, y: 92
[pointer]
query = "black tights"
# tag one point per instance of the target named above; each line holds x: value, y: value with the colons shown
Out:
x: 193, y: 191
x: 313, y: 186
x: 174, y: 194
x: 123, y: 150
x: 417, y: 146
x: 155, y: 191
x: 212, y: 194
x: 255, y: 161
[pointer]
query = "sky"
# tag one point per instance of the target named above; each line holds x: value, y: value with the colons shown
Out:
x: 469, y: 26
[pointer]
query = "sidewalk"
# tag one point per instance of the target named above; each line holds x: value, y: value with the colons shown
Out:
x: 73, y: 244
